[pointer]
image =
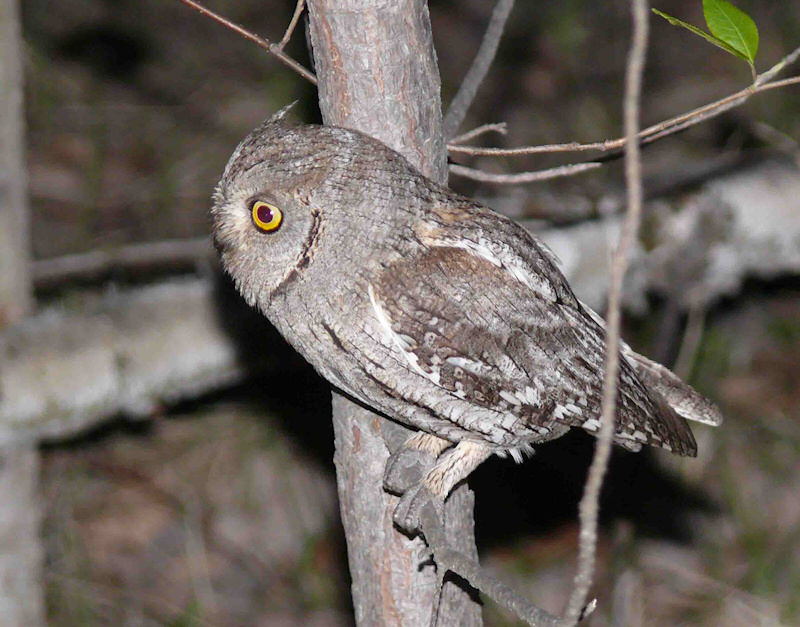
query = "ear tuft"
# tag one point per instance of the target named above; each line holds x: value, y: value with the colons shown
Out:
x: 282, y: 112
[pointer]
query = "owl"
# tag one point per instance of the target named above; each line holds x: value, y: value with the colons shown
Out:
x: 426, y: 306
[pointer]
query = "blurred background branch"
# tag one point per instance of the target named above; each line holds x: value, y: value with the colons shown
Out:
x: 21, y: 550
x: 129, y: 127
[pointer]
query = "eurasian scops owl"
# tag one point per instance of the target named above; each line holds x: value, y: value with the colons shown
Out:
x: 426, y: 306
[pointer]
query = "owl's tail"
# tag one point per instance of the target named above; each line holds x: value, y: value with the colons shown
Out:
x: 679, y: 396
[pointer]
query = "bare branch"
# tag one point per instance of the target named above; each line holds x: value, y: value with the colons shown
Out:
x: 692, y: 336
x: 22, y: 597
x: 477, y: 71
x: 794, y: 80
x: 298, y: 11
x: 498, y: 127
x: 273, y: 49
x: 523, y: 177
x: 657, y: 131
x: 589, y: 505
x: 766, y: 77
x: 448, y: 559
x: 609, y: 144
x: 164, y: 254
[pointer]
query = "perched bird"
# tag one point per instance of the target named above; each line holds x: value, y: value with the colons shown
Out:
x: 426, y: 306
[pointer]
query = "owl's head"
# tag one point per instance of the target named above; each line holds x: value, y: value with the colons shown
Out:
x: 265, y: 219
x: 287, y: 187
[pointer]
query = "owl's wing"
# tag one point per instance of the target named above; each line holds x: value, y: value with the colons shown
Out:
x: 490, y: 329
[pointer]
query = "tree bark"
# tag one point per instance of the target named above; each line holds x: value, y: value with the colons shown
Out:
x: 377, y: 73
x: 21, y: 598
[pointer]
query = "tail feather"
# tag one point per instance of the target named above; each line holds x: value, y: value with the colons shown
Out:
x: 681, y: 397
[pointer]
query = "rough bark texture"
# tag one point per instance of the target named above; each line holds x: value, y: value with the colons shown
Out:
x: 21, y: 598
x: 377, y: 73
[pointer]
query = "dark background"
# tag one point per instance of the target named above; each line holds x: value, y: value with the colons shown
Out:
x: 223, y: 511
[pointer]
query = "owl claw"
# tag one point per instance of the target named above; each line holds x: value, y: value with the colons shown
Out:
x: 408, y: 513
x: 405, y: 469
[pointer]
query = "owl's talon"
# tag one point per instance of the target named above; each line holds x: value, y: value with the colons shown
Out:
x: 405, y: 469
x: 407, y: 514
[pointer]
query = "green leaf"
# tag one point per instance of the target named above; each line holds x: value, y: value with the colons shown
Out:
x: 733, y: 26
x: 710, y: 38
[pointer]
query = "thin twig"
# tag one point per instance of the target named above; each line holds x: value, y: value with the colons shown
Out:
x: 667, y: 127
x: 766, y: 77
x: 477, y: 71
x: 497, y: 127
x: 609, y: 144
x: 589, y: 505
x: 794, y: 80
x: 298, y: 11
x: 692, y: 336
x: 522, y: 177
x: 264, y: 43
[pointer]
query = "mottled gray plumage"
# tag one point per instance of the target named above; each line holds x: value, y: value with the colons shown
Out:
x: 431, y: 308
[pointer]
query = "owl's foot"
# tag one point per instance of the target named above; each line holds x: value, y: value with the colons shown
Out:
x: 452, y: 466
x: 421, y: 510
x: 405, y: 469
x: 408, y: 513
x: 408, y: 465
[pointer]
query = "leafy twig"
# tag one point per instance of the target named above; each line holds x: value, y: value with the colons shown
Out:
x: 273, y: 49
x: 763, y: 83
x: 731, y: 29
x: 477, y: 71
x: 589, y: 505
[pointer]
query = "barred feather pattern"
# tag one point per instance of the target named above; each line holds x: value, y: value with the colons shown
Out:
x: 428, y: 307
x: 481, y: 335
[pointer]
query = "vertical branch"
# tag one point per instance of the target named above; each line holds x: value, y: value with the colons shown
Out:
x: 480, y: 66
x: 15, y: 294
x: 21, y: 598
x: 377, y: 73
x: 589, y: 506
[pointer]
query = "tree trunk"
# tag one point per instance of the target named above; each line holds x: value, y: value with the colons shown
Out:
x: 21, y: 599
x: 377, y: 73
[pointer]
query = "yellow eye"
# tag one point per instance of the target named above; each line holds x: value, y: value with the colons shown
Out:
x: 265, y: 216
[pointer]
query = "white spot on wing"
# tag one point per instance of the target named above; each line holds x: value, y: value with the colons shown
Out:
x: 479, y: 250
x: 407, y: 341
x: 394, y: 338
x: 560, y: 412
x: 474, y: 367
x: 504, y: 258
x: 510, y: 397
x: 593, y: 424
